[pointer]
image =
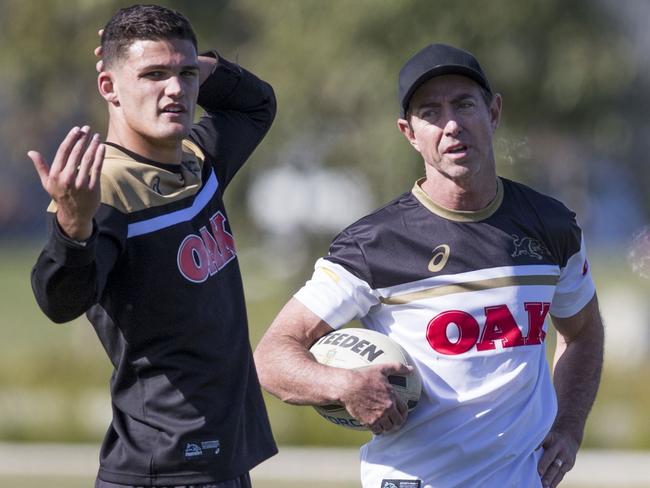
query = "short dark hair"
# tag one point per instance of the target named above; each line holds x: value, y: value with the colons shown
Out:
x: 142, y: 22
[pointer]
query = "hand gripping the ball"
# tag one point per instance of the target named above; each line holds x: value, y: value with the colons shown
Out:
x: 372, y: 400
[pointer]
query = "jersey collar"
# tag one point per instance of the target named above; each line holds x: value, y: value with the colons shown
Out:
x: 458, y: 215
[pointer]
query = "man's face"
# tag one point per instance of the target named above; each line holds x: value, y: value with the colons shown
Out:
x: 156, y: 86
x: 452, y: 126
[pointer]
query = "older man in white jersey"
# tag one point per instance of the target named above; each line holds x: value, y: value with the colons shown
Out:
x: 462, y: 271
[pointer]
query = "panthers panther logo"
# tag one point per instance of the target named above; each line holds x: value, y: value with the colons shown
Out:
x: 527, y: 246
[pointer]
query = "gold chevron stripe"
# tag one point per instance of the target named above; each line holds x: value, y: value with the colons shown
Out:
x: 488, y: 284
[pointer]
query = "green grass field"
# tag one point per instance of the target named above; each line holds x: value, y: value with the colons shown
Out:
x: 53, y: 378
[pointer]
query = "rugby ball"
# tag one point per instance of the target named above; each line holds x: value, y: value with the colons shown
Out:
x: 357, y: 348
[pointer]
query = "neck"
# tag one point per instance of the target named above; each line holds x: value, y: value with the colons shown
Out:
x: 168, y: 152
x: 459, y: 194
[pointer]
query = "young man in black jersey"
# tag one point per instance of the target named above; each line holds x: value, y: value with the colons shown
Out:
x: 139, y: 240
x: 462, y: 271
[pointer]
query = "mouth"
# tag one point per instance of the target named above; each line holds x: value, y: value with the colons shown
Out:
x: 456, y: 149
x: 174, y: 108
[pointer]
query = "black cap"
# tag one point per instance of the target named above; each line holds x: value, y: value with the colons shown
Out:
x: 436, y: 60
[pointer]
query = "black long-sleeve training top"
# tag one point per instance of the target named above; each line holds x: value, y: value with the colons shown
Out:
x: 160, y: 282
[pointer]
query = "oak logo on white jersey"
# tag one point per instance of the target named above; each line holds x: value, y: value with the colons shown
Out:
x: 455, y: 331
x: 439, y: 259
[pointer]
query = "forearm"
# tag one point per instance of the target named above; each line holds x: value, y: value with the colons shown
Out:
x: 207, y: 65
x: 285, y: 366
x: 240, y: 110
x: 228, y: 86
x: 287, y: 370
x: 577, y: 372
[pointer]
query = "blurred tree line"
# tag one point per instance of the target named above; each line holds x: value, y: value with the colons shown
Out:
x: 574, y: 98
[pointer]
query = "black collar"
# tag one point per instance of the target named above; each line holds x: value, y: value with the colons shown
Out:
x: 174, y: 168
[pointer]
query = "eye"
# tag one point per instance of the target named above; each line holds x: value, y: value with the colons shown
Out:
x: 154, y: 75
x: 466, y: 105
x: 428, y: 113
x: 189, y: 73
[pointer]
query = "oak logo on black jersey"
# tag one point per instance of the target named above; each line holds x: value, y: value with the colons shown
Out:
x: 527, y: 246
x: 201, y: 256
x: 439, y: 259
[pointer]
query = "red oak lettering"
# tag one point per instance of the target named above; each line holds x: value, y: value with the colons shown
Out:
x: 500, y: 325
x: 224, y: 239
x: 202, y: 256
x: 536, y: 314
x: 193, y: 259
x: 211, y: 246
x: 468, y: 330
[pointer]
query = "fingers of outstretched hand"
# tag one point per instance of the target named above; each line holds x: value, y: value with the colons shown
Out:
x: 84, y: 168
x: 71, y: 167
x: 76, y: 165
x: 63, y: 152
x: 45, y: 172
x: 41, y: 166
x: 98, y: 161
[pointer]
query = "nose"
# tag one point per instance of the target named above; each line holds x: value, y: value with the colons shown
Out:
x: 174, y: 88
x: 452, y: 127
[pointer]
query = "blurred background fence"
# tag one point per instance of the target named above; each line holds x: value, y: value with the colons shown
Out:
x: 574, y: 77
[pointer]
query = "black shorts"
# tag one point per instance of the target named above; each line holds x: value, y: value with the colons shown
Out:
x: 243, y: 481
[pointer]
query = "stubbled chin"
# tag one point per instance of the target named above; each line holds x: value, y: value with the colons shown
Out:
x: 176, y: 129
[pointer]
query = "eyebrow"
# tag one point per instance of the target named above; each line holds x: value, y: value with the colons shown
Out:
x: 150, y: 67
x: 456, y: 99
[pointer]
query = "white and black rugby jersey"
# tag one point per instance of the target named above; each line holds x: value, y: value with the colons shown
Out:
x: 160, y: 282
x: 466, y: 294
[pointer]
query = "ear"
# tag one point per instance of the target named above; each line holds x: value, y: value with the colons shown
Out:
x: 495, y: 111
x: 407, y: 130
x: 107, y: 87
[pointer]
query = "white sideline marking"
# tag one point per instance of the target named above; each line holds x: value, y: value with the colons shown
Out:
x: 594, y: 468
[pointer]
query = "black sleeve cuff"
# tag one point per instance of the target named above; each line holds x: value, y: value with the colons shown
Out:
x: 67, y: 251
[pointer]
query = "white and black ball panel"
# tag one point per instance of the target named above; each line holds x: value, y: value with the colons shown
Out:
x: 355, y: 348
